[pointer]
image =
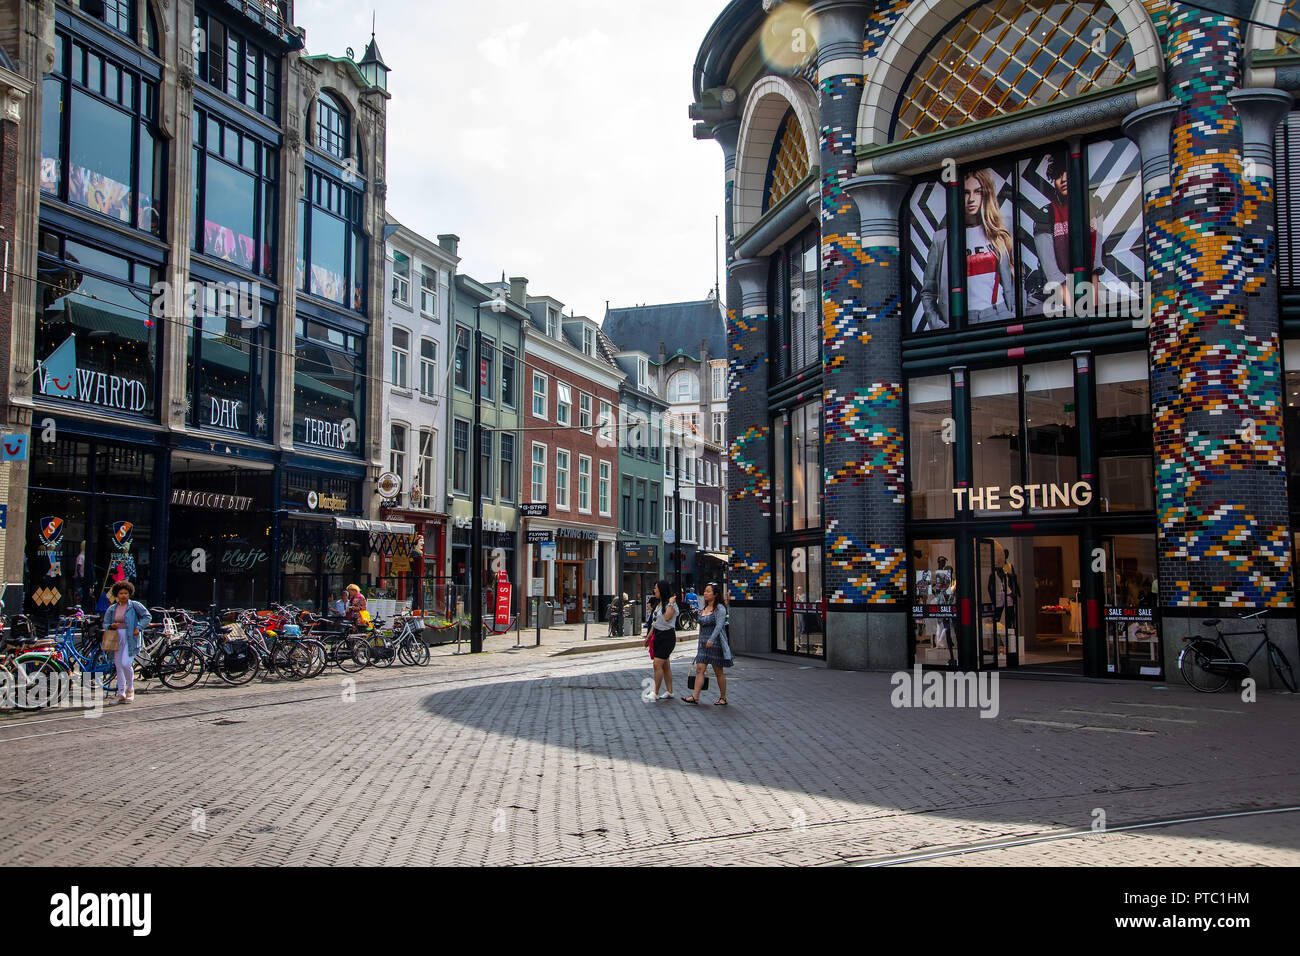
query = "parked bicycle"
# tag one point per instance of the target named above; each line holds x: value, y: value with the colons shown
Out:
x: 1207, y: 663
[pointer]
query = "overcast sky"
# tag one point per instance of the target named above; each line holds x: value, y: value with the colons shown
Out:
x: 550, y: 135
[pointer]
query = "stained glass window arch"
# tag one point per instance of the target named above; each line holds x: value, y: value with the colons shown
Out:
x: 1010, y: 55
x: 788, y: 164
x: 1288, y: 30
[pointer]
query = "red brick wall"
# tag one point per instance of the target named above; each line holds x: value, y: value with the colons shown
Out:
x: 571, y: 440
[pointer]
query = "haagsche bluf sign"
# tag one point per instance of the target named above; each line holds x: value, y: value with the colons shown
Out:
x: 992, y: 498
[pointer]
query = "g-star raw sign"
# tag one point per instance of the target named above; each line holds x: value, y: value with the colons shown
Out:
x: 210, y: 499
x: 1066, y: 495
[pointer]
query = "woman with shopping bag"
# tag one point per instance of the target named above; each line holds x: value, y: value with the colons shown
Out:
x: 714, y: 649
x: 124, y: 622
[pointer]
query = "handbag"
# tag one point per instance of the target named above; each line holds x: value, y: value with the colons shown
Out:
x: 108, y: 640
x: 690, y: 682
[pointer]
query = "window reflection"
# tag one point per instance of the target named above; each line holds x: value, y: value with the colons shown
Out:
x: 1124, y: 429
x: 995, y: 429
x: 930, y: 451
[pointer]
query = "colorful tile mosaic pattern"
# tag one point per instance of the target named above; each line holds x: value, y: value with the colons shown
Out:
x: 750, y: 453
x: 879, y: 23
x: 1216, y: 369
x: 862, y: 456
x: 751, y: 576
x: 866, y: 574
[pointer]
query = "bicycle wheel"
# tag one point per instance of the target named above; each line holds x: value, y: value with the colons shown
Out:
x: 1192, y: 665
x: 1282, y: 666
x: 237, y: 668
x: 282, y: 663
x: 383, y: 655
x: 301, y: 660
x: 101, y: 666
x: 351, y: 654
x: 414, y: 651
x: 318, y: 657
x: 44, y: 682
x: 180, y: 667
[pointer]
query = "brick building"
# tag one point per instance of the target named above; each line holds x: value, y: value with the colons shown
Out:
x: 1012, y: 305
x: 570, y: 449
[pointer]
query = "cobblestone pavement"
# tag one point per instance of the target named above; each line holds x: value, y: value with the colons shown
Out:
x: 520, y: 757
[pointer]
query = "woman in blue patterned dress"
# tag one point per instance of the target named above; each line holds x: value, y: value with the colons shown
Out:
x: 714, y: 650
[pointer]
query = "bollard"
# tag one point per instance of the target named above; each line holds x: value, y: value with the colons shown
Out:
x: 537, y: 619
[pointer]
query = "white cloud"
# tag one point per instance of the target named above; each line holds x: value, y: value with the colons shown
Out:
x: 556, y: 146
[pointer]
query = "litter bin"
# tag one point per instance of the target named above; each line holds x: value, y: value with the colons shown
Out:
x: 546, y: 613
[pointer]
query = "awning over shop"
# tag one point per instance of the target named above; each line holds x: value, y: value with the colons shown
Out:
x: 374, y: 527
x: 715, y: 556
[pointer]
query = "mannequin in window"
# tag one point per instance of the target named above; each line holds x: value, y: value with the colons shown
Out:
x: 990, y: 278
x: 941, y: 592
x: 1004, y: 594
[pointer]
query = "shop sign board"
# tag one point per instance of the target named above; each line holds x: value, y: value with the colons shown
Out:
x: 539, y: 537
x: 210, y: 499
x: 535, y: 510
x: 1062, y: 495
x: 502, y: 621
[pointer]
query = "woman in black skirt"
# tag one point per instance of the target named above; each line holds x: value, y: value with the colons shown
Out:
x: 663, y: 638
x: 714, y: 650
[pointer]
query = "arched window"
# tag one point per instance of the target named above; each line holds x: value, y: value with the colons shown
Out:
x: 684, y: 387
x: 1011, y: 55
x: 788, y: 164
x: 331, y: 126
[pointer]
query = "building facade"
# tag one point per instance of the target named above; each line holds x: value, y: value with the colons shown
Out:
x: 495, y: 389
x: 687, y: 341
x: 1010, y: 299
x: 418, y: 279
x: 571, y: 429
x: 640, y: 477
x: 197, y: 350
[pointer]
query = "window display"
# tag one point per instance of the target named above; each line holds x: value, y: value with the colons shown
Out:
x: 934, y: 599
x: 1029, y: 277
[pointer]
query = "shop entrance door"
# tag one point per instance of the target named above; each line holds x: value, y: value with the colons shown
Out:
x: 1028, y: 591
x: 568, y: 589
x: 997, y: 596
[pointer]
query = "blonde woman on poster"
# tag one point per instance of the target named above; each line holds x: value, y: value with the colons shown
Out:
x: 990, y: 275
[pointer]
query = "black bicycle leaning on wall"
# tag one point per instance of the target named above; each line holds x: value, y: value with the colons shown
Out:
x: 1207, y: 663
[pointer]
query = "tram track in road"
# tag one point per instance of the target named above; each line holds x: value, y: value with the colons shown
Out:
x: 991, y: 846
x: 116, y: 715
x: 836, y: 835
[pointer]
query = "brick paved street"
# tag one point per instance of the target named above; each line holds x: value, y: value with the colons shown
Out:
x: 521, y: 757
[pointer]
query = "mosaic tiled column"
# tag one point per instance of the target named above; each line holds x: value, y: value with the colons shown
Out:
x: 1216, y: 368
x: 864, y: 569
x: 749, y: 479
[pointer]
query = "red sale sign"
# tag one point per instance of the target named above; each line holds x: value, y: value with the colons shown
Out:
x: 502, y: 622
